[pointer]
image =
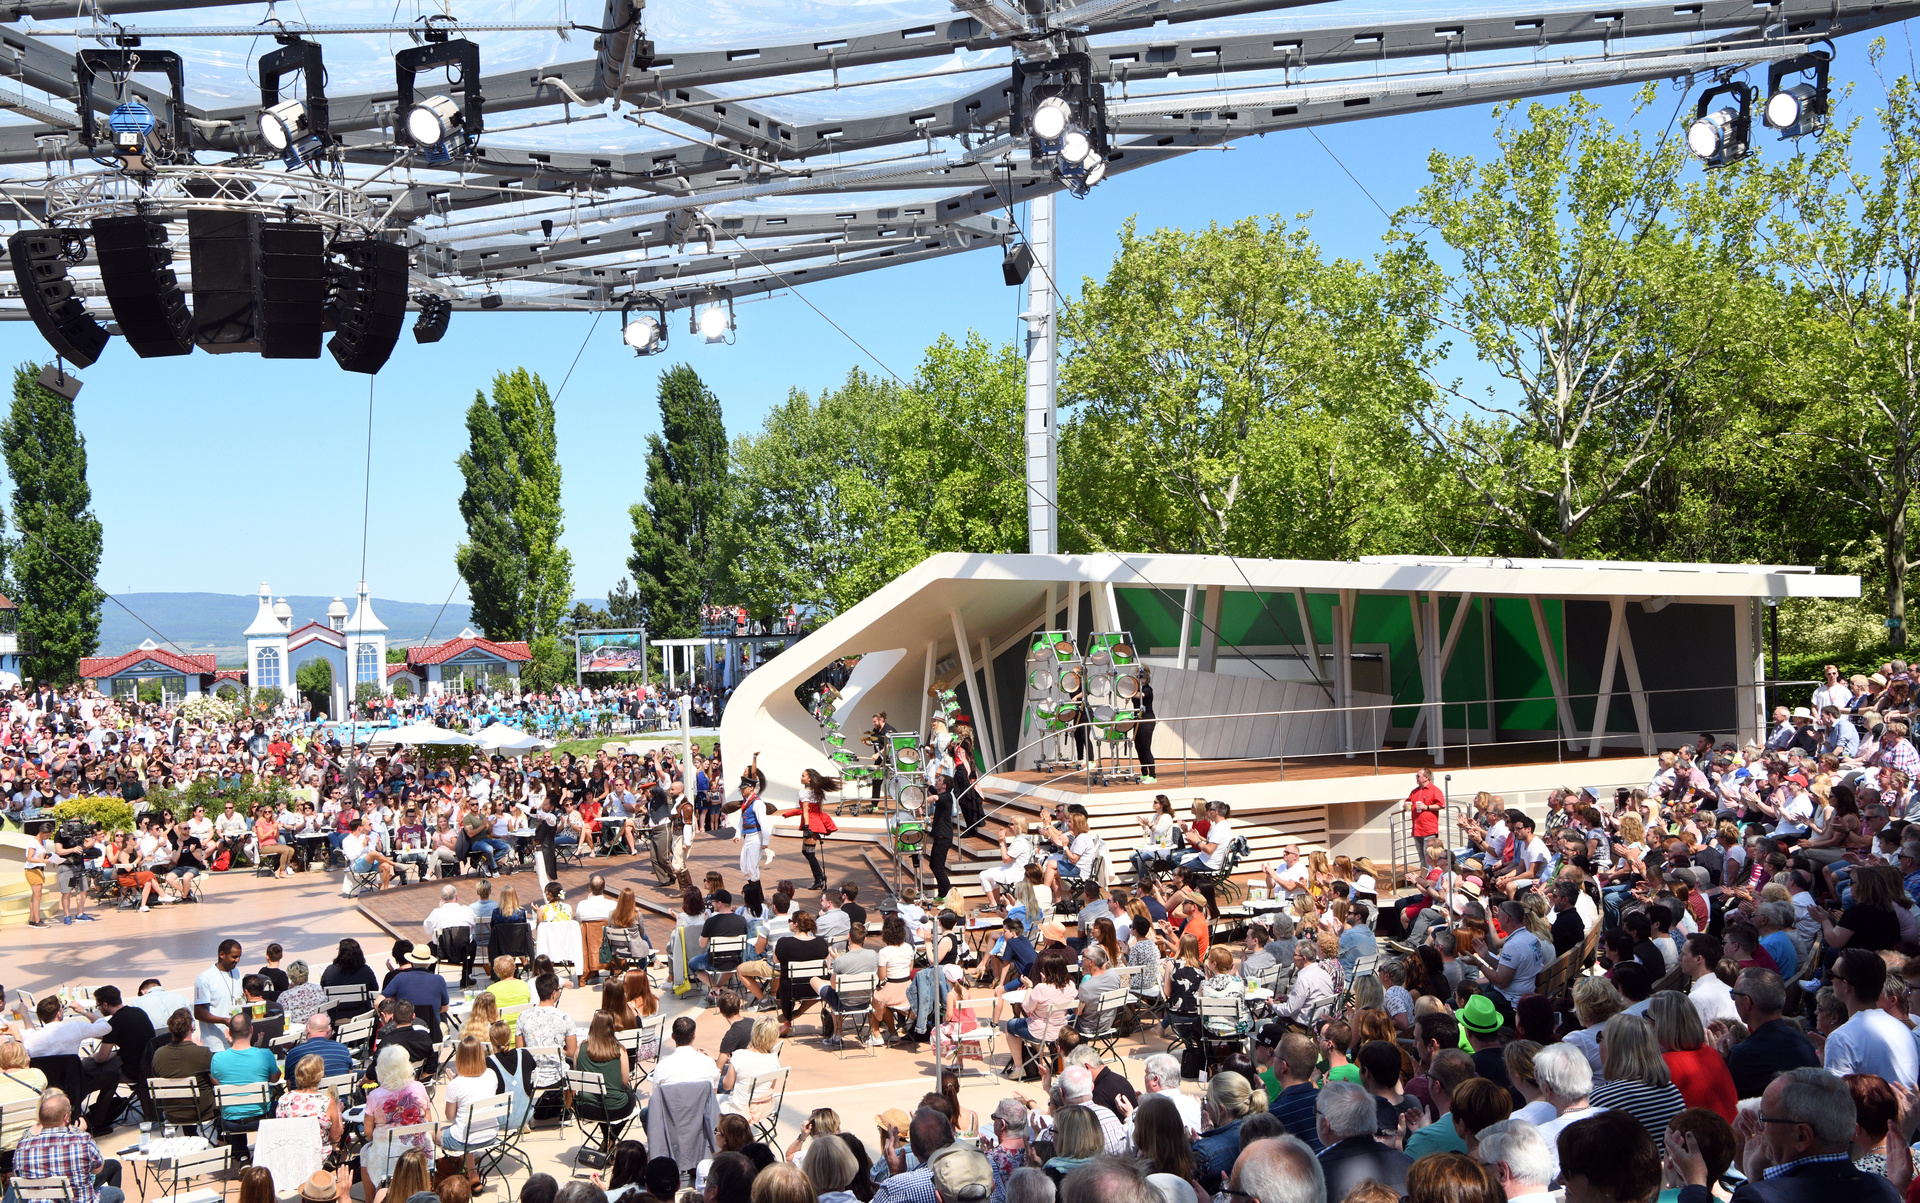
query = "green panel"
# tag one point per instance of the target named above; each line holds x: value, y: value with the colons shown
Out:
x: 1386, y: 618
x: 1259, y: 619
x: 1519, y: 669
x: 1466, y: 675
x: 1153, y: 615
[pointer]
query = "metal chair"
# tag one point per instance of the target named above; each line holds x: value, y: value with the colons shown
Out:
x: 620, y: 949
x: 168, y: 1093
x: 724, y: 954
x: 508, y: 1148
x: 596, y: 1150
x: 41, y: 1190
x: 347, y: 996
x: 1221, y: 1021
x: 511, y: 940
x: 794, y: 976
x: 188, y: 1167
x: 1099, y: 1025
x: 765, y: 1096
x: 358, y: 881
x: 250, y: 1094
x: 853, y: 1012
x: 455, y: 946
x: 643, y: 1044
x: 481, y: 1114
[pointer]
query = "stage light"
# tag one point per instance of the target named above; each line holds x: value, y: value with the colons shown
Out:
x: 1097, y: 171
x: 1050, y: 118
x: 295, y: 129
x: 132, y: 133
x: 715, y: 323
x: 283, y: 124
x: 40, y: 259
x: 1074, y: 145
x: 432, y: 121
x: 131, y: 126
x: 646, y: 334
x: 1801, y: 109
x: 1721, y: 136
x: 431, y: 325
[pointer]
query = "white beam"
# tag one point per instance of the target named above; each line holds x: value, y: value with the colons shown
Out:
x: 1186, y: 627
x: 1113, y: 607
x: 966, y: 666
x: 1306, y: 629
x: 1210, y: 628
x: 1642, y: 717
x: 1442, y: 662
x: 1604, y: 701
x: 1555, y: 681
x: 1073, y: 617
x: 1343, y: 668
x: 926, y: 690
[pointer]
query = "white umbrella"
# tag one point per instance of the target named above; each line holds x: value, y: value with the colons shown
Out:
x: 420, y: 733
x: 502, y: 738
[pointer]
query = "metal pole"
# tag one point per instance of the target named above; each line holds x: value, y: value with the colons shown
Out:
x: 1043, y: 505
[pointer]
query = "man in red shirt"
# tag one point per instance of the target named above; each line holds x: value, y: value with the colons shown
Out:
x: 1426, y: 802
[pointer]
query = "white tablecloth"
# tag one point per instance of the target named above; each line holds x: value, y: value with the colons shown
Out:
x: 560, y: 941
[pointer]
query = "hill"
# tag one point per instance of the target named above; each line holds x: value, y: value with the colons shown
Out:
x: 213, y: 622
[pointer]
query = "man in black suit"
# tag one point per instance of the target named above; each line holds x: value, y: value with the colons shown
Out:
x: 1798, y: 1154
x: 1347, y: 1121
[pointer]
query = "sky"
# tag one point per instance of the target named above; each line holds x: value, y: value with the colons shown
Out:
x: 216, y: 473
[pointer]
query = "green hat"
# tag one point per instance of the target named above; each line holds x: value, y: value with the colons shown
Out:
x: 1480, y: 1016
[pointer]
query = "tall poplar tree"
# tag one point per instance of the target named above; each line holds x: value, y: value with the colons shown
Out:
x: 54, y: 561
x: 680, y: 544
x: 518, y: 575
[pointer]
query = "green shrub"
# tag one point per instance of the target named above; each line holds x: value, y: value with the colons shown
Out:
x: 111, y: 813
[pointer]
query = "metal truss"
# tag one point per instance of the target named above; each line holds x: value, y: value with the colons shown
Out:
x: 724, y: 198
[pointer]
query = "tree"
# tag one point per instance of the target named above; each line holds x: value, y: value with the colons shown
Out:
x: 314, y: 680
x: 519, y: 577
x: 1586, y: 282
x: 52, y: 566
x: 623, y: 606
x: 1850, y: 242
x: 491, y: 561
x: 1230, y: 390
x: 680, y: 544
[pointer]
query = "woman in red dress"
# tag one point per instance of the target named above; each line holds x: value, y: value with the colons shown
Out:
x: 815, y: 822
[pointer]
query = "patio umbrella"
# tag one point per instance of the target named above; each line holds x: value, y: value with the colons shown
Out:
x: 418, y: 734
x: 501, y: 738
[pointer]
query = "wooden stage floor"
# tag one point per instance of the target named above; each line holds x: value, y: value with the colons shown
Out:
x: 1186, y: 774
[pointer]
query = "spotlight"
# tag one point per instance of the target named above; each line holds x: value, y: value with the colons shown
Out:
x: 431, y: 325
x: 133, y: 132
x: 1721, y: 136
x: 438, y: 126
x: 1050, y: 118
x: 646, y: 334
x: 295, y: 129
x: 713, y: 323
x: 1801, y: 109
x: 1074, y: 146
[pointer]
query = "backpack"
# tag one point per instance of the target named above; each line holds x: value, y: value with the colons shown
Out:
x: 223, y: 860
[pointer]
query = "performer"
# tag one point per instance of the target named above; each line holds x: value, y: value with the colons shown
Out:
x: 749, y: 832
x: 680, y: 841
x: 973, y: 812
x: 660, y: 809
x: 815, y: 823
x: 1143, y: 729
x: 876, y: 738
x: 546, y: 825
x: 940, y: 802
x: 1426, y: 802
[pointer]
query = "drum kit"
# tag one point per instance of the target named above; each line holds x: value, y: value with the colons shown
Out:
x: 1097, y: 692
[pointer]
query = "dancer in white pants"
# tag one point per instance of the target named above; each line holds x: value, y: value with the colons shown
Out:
x: 749, y: 831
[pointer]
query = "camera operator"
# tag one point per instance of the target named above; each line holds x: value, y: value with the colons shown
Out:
x: 74, y: 845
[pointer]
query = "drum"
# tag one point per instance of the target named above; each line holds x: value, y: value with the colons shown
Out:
x: 1102, y: 714
x: 1127, y: 685
x: 837, y: 739
x: 1118, y: 726
x: 909, y: 833
x: 912, y: 796
x: 1072, y: 679
x: 1040, y: 679
x: 1100, y: 657
x: 1101, y: 686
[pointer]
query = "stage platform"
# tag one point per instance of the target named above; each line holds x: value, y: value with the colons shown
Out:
x: 1179, y: 775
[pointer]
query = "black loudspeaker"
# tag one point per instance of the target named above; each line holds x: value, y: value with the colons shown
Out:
x: 431, y: 325
x: 226, y: 289
x: 369, y: 303
x: 136, y: 270
x: 293, y: 289
x: 40, y: 267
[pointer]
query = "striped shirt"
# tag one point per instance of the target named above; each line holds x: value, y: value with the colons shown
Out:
x: 1653, y: 1106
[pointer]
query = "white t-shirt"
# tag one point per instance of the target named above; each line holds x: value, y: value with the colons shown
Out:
x: 595, y: 908
x: 1534, y: 856
x: 1524, y: 952
x: 1714, y: 999
x: 354, y: 847
x: 465, y: 1092
x: 1219, y: 834
x: 1293, y: 876
x: 221, y: 993
x: 1874, y: 1042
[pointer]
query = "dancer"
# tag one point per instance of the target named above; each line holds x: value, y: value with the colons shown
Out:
x: 749, y: 832
x: 815, y: 823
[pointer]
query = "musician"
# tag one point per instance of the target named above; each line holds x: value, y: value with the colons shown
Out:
x: 940, y: 801
x: 876, y: 738
x: 1016, y: 853
x: 1144, y: 727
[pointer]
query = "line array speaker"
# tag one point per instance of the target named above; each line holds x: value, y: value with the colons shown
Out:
x: 369, y: 303
x: 40, y: 267
x: 226, y: 289
x: 136, y: 268
x: 293, y: 289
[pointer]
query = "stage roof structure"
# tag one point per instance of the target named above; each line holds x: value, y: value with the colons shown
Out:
x: 690, y: 153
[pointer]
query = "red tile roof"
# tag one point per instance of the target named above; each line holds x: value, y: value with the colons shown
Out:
x: 108, y: 666
x: 442, y: 652
x: 230, y: 674
x: 398, y: 668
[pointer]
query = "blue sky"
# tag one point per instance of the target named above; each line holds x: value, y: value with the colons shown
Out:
x: 215, y: 473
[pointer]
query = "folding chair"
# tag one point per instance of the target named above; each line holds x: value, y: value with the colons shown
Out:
x: 455, y: 946
x: 27, y: 1005
x: 347, y: 996
x: 355, y: 1033
x: 537, y: 1093
x: 41, y: 1190
x: 794, y: 976
x: 356, y: 882
x: 182, y: 1093
x: 511, y: 940
x: 642, y: 1045
x: 971, y: 1035
x: 206, y: 1163
x: 1220, y: 1021
x: 235, y: 1132
x: 853, y: 1014
x: 766, y: 1094
x: 506, y: 1149
x: 1099, y: 1026
x: 568, y: 854
x: 620, y: 950
x: 487, y: 1116
x: 724, y: 954
x: 596, y: 1149
x: 280, y: 1044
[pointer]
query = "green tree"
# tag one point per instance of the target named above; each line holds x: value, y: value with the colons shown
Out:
x: 519, y: 577
x: 1231, y: 390
x: 681, y: 550
x: 314, y: 680
x: 1589, y: 281
x: 624, y: 607
x: 1849, y: 241
x: 54, y: 562
x: 492, y: 560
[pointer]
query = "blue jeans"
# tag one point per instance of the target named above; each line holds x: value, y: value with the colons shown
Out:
x: 493, y: 850
x: 1018, y: 1029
